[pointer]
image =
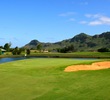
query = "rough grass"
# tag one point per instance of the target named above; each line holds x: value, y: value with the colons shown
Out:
x: 75, y: 54
x: 44, y: 79
x: 63, y: 55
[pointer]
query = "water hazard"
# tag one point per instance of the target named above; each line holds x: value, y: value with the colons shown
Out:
x: 4, y: 60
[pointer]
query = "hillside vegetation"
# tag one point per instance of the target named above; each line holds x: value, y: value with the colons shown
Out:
x: 81, y: 42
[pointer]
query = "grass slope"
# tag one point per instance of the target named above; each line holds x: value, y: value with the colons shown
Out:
x: 74, y: 55
x: 44, y: 79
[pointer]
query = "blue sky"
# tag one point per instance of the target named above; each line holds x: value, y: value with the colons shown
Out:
x: 51, y: 20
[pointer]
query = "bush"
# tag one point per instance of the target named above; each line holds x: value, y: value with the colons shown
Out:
x: 103, y: 50
x: 28, y: 51
x: 16, y: 51
x: 0, y: 52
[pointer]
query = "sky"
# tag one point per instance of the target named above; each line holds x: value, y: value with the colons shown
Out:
x: 51, y: 20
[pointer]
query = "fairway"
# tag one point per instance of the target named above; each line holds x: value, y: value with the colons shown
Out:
x: 45, y: 79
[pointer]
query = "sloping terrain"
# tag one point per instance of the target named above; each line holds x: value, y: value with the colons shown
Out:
x: 81, y: 42
x: 45, y: 79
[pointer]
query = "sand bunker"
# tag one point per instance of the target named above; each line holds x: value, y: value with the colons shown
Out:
x: 93, y: 66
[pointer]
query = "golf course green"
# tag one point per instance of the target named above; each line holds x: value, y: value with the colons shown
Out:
x: 45, y: 79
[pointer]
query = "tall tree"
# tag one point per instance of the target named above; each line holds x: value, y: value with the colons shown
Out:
x: 28, y: 51
x: 39, y: 47
x: 0, y: 51
x: 7, y: 46
x: 16, y: 51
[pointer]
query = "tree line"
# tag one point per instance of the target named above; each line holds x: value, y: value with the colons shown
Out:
x: 16, y: 50
x: 66, y: 49
x: 71, y: 48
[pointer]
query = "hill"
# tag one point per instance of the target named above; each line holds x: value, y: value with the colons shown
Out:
x: 81, y: 42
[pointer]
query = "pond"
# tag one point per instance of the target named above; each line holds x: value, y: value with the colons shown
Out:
x: 4, y: 60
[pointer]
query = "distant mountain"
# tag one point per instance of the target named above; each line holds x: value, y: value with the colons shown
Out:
x: 32, y: 44
x: 81, y: 42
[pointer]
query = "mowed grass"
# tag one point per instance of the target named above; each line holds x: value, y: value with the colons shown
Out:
x: 45, y: 79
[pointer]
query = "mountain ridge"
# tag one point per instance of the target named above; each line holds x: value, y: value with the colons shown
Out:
x: 81, y: 42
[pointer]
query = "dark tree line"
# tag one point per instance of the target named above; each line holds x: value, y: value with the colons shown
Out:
x: 7, y: 47
x: 103, y: 50
x: 18, y: 51
x: 67, y: 49
x: 28, y: 51
x: 71, y: 48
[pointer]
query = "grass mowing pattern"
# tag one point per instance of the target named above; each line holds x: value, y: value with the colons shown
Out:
x: 44, y: 79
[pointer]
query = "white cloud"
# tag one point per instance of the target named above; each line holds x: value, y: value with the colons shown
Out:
x: 66, y: 14
x: 93, y: 15
x: 71, y: 19
x: 88, y: 15
x: 96, y: 19
x: 101, y: 20
x: 93, y: 23
x: 105, y: 20
x: 83, y: 22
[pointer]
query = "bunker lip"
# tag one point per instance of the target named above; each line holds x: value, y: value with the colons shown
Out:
x: 93, y: 66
